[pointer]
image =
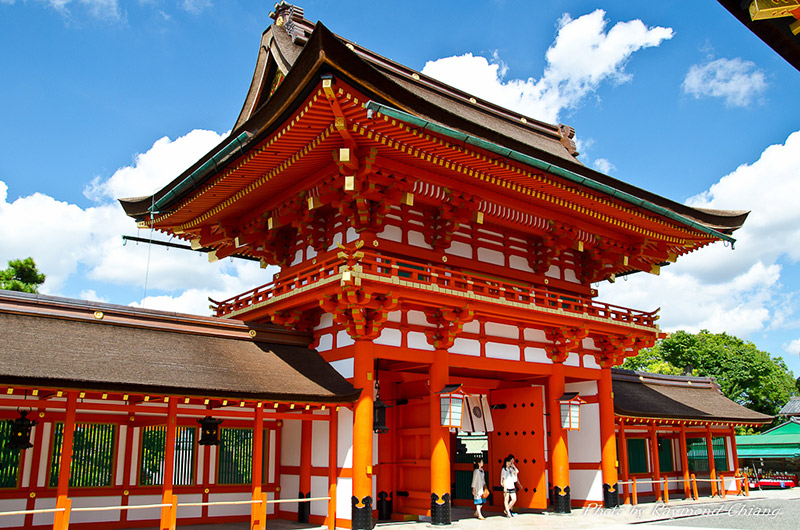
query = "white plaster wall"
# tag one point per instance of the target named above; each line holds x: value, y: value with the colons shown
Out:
x: 319, y: 443
x: 147, y: 513
x: 390, y: 337
x: 392, y: 233
x: 588, y: 344
x: 590, y: 362
x: 519, y: 263
x: 310, y: 252
x: 536, y: 335
x: 226, y: 509
x: 537, y: 355
x: 319, y: 488
x: 325, y: 342
x: 584, y: 445
x: 190, y: 511
x: 586, y: 484
x: 473, y: 326
x: 27, y: 463
x: 494, y: 257
x: 417, y: 239
x: 344, y: 490
x: 417, y: 318
x: 212, y: 471
x: 569, y: 275
x: 290, y: 488
x: 584, y: 388
x: 335, y: 240
x: 345, y: 367
x: 12, y: 505
x: 290, y: 442
x: 418, y: 340
x: 40, y: 480
x: 395, y: 316
x: 325, y: 321
x: 122, y: 440
x: 344, y: 444
x: 343, y: 339
x: 273, y: 438
x: 44, y: 518
x: 298, y: 257
x: 501, y: 330
x: 573, y: 359
x: 496, y: 350
x: 466, y: 347
x: 553, y: 272
x: 352, y: 235
x: 457, y: 248
x: 201, y: 464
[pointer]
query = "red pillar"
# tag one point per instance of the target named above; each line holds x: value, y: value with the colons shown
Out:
x: 333, y: 466
x: 439, y: 443
x: 712, y: 467
x: 734, y: 453
x: 559, y: 455
x: 385, y: 471
x: 687, y: 489
x: 623, y: 459
x: 363, y: 378
x: 167, y: 513
x: 257, y: 511
x: 608, y: 441
x: 654, y: 460
x: 61, y: 520
x: 304, y: 508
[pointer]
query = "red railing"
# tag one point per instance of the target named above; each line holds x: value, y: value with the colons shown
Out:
x: 405, y: 272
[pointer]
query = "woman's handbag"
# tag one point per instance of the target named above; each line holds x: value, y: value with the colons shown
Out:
x: 485, y: 493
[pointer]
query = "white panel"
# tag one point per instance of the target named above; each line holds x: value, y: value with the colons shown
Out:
x: 201, y: 464
x: 134, y: 477
x: 584, y: 445
x: 290, y: 487
x: 325, y: 321
x: 271, y: 507
x: 344, y: 444
x: 298, y: 257
x: 584, y: 388
x: 344, y: 490
x: 535, y: 335
x: 12, y: 505
x: 573, y: 359
x: 343, y: 339
x: 228, y: 509
x: 44, y: 518
x: 319, y: 444
x: 147, y: 513
x: 497, y: 350
x: 588, y: 344
x: 273, y: 436
x: 473, y: 326
x: 122, y: 440
x: 418, y: 340
x: 418, y: 240
x: 335, y: 240
x: 395, y: 316
x: 457, y: 248
x: 27, y: 462
x: 569, y: 275
x: 466, y: 347
x: 537, y: 355
x: 491, y: 256
x: 590, y: 362
x: 502, y: 330
x: 392, y: 233
x: 310, y: 252
x: 519, y: 263
x: 390, y: 337
x: 417, y: 318
x: 40, y: 480
x: 290, y: 442
x: 553, y: 272
x: 345, y: 367
x: 586, y: 484
x: 352, y: 235
x: 325, y: 342
x: 190, y: 511
x: 319, y: 488
x: 212, y: 457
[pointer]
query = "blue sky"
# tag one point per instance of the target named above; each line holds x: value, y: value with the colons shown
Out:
x: 107, y: 98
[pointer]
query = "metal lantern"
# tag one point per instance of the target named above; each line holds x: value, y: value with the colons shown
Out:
x: 209, y: 431
x: 20, y: 435
x: 379, y: 416
x: 452, y: 405
x: 571, y: 411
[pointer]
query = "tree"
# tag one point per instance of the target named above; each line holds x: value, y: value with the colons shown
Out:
x: 746, y: 375
x: 21, y: 275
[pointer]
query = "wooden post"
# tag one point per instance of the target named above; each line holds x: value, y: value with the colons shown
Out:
x: 257, y: 521
x: 167, y: 515
x: 61, y: 519
x: 685, y: 462
x: 126, y: 470
x: 656, y: 471
x: 439, y: 443
x: 559, y: 453
x: 666, y: 490
x: 722, y: 485
x: 333, y: 466
x: 304, y: 508
x: 608, y: 441
x: 694, y: 486
x: 385, y: 472
x: 363, y: 378
x: 712, y: 467
x: 635, y: 494
x: 623, y: 461
x: 746, y: 486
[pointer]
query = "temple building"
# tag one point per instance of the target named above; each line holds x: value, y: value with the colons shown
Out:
x: 434, y: 249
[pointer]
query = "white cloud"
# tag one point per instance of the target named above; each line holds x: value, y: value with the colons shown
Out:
x: 582, y: 56
x: 737, y: 81
x: 793, y: 347
x: 100, y: 9
x: 604, y: 166
x: 196, y: 6
x: 92, y: 296
x: 739, y: 291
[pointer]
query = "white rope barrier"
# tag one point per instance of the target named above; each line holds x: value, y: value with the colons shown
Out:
x: 109, y: 508
x: 27, y: 512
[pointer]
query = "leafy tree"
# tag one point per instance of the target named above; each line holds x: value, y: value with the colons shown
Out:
x: 746, y: 375
x: 21, y: 275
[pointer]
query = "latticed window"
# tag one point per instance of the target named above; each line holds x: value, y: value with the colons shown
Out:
x: 9, y: 459
x: 665, y: 464
x: 235, y: 456
x: 92, y: 455
x: 637, y: 455
x: 697, y: 453
x: 151, y: 467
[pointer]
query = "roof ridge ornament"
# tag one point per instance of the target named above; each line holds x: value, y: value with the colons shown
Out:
x: 290, y: 17
x: 567, y: 138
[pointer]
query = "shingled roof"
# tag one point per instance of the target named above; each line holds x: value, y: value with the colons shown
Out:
x: 71, y: 344
x: 656, y: 396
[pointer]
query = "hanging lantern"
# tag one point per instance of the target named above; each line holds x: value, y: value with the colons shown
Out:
x: 452, y: 402
x: 379, y: 412
x: 20, y: 435
x: 570, y: 411
x: 209, y: 431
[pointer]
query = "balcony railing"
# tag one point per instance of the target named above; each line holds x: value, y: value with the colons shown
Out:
x: 407, y: 273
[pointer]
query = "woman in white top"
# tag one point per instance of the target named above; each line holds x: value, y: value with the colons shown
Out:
x: 478, y: 484
x: 508, y: 479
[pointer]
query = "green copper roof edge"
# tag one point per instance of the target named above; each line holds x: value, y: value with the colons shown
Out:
x: 197, y: 173
x: 545, y: 166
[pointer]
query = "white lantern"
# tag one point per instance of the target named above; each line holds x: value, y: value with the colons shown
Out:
x: 452, y: 406
x: 571, y: 411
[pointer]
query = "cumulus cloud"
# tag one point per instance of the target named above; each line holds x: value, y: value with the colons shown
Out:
x: 100, y: 9
x: 196, y: 6
x: 739, y: 291
x: 603, y: 165
x: 793, y: 347
x: 736, y: 81
x: 582, y: 56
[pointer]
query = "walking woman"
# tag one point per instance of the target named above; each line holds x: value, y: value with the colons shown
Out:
x: 478, y: 485
x: 508, y: 479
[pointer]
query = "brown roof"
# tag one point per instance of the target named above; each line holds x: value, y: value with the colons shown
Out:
x: 655, y: 396
x: 311, y: 50
x: 71, y: 344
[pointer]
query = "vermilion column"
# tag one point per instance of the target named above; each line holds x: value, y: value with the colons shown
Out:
x: 712, y: 466
x: 654, y: 460
x: 734, y: 452
x: 304, y: 508
x: 333, y: 466
x: 257, y: 521
x: 623, y: 458
x: 608, y: 441
x: 559, y: 455
x: 439, y: 441
x: 363, y: 378
x: 61, y: 521
x: 169, y: 464
x: 385, y: 472
x: 687, y: 488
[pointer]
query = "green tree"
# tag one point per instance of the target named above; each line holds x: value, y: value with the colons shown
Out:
x: 21, y: 275
x: 747, y: 375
